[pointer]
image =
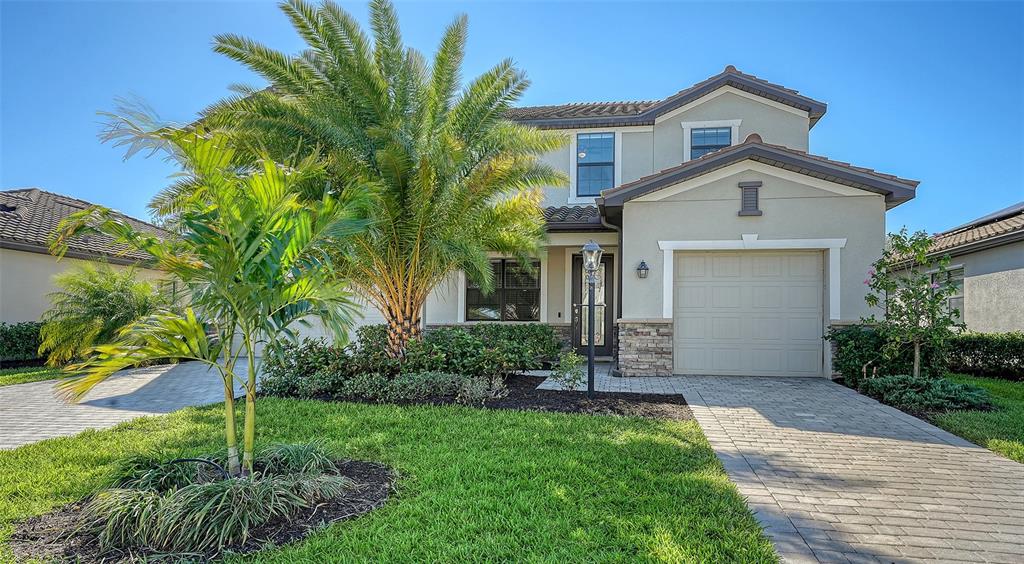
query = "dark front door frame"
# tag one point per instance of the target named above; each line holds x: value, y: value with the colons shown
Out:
x: 578, y: 311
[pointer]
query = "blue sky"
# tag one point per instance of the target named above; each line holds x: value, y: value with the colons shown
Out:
x: 929, y: 91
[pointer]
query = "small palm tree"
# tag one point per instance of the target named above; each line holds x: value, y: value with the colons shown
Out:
x: 91, y: 306
x: 253, y: 259
x: 456, y: 179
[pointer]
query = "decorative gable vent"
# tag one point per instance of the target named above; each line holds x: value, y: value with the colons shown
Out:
x: 749, y: 198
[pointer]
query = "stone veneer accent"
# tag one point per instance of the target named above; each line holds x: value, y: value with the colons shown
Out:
x: 645, y: 347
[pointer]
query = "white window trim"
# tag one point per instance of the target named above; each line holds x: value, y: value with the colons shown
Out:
x: 689, y: 126
x: 616, y: 163
x: 752, y: 243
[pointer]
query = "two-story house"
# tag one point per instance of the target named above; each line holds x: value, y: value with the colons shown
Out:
x: 728, y: 247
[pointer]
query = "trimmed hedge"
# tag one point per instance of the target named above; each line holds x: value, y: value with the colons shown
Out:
x: 19, y: 341
x: 434, y: 365
x: 992, y: 355
x: 857, y: 345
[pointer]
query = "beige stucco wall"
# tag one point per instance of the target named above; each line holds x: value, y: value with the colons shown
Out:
x: 26, y: 279
x: 443, y: 303
x: 774, y: 125
x: 792, y: 210
x: 994, y: 288
x: 648, y: 149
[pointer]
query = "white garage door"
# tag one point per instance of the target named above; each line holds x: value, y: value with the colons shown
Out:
x: 748, y: 313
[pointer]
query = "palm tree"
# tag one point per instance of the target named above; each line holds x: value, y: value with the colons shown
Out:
x: 92, y: 304
x: 253, y: 260
x: 456, y: 179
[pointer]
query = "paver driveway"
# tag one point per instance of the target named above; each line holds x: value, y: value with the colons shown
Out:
x: 835, y: 476
x: 30, y: 412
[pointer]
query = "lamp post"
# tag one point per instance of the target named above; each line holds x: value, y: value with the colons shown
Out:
x: 591, y: 262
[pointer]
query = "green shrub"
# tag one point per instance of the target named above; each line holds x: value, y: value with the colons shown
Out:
x: 309, y: 369
x: 857, y: 345
x: 568, y: 373
x: 19, y: 341
x: 476, y: 390
x: 993, y: 355
x: 925, y: 395
x: 412, y: 386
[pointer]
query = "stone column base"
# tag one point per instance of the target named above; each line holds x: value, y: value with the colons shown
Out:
x: 645, y: 347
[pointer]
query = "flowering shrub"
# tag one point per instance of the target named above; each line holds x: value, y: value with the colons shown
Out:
x: 903, y: 281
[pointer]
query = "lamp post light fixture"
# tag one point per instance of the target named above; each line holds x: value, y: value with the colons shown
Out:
x: 591, y: 262
x: 642, y: 269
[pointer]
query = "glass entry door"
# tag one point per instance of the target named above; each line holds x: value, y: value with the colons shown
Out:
x: 604, y: 312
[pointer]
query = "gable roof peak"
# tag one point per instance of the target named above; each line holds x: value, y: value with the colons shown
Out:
x: 753, y: 138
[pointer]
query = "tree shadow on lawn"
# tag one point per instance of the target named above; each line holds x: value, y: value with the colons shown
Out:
x: 473, y: 484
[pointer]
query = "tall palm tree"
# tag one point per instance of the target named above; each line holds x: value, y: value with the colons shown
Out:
x: 254, y: 261
x: 456, y: 179
x: 91, y: 305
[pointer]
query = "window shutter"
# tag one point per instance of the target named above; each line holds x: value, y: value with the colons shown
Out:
x: 749, y: 198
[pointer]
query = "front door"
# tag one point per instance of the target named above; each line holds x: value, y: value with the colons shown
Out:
x: 604, y: 312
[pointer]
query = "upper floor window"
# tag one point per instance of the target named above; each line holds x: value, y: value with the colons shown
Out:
x: 707, y: 139
x: 955, y: 277
x: 595, y: 163
x: 516, y: 294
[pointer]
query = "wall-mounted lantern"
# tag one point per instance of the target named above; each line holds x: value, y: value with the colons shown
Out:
x: 642, y: 269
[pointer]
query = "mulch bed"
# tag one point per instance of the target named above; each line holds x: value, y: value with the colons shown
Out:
x: 51, y: 537
x: 523, y: 394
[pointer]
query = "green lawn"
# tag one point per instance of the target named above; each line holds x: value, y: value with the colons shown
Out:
x: 474, y: 485
x: 10, y: 376
x: 1001, y: 430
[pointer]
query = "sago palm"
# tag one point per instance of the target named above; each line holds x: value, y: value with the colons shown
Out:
x: 253, y: 259
x: 457, y: 180
x: 90, y: 307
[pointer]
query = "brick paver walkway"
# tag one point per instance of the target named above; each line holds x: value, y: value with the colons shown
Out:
x: 605, y: 382
x: 835, y: 476
x: 31, y: 412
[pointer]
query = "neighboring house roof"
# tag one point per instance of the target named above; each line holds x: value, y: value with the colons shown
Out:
x: 896, y: 190
x: 999, y: 228
x: 573, y: 218
x: 612, y: 114
x: 29, y: 215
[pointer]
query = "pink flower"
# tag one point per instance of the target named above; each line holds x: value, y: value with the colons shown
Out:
x: 935, y: 286
x: 867, y: 281
x: 871, y: 272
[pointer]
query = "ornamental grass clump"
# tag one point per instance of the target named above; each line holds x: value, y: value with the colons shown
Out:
x: 181, y: 506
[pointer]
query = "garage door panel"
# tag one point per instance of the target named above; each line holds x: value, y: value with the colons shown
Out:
x: 691, y: 296
x: 727, y: 328
x: 725, y: 266
x: 766, y: 297
x: 726, y: 297
x: 749, y: 313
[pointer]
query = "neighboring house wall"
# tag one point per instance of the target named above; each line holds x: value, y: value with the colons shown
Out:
x: 793, y: 206
x: 993, y: 287
x: 26, y: 280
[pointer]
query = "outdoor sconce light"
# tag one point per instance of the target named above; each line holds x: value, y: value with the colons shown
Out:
x: 642, y: 269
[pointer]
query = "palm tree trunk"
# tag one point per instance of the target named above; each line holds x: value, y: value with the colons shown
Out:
x: 249, y: 436
x: 403, y: 326
x: 229, y: 426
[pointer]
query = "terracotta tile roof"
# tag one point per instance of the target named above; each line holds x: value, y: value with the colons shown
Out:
x: 579, y: 110
x: 754, y: 148
x: 29, y: 215
x: 573, y: 218
x: 1003, y: 222
x: 645, y: 112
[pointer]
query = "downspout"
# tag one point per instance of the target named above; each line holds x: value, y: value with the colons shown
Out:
x: 618, y: 285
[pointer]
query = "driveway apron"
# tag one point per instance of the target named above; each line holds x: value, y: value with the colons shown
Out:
x: 834, y: 476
